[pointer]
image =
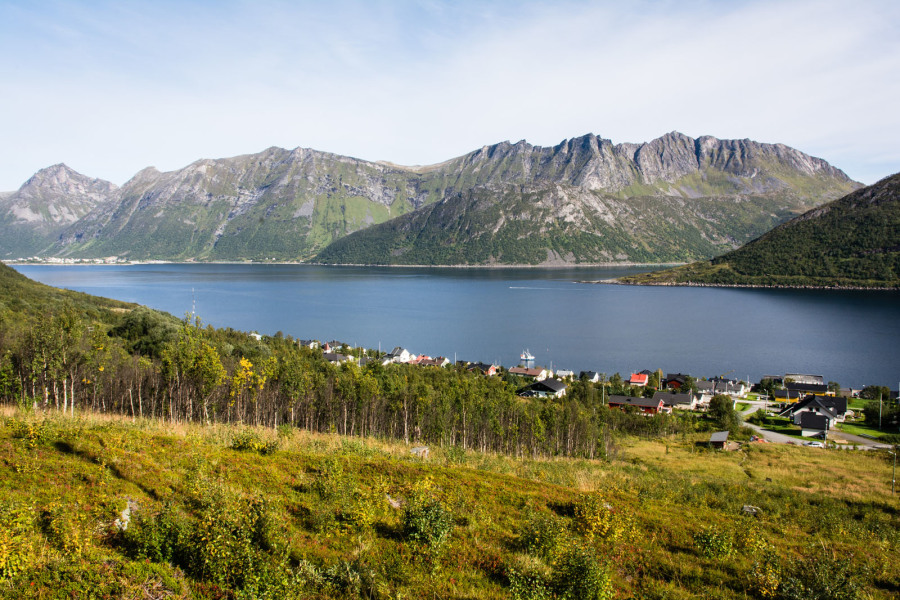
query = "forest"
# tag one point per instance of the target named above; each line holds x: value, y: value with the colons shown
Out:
x: 145, y: 364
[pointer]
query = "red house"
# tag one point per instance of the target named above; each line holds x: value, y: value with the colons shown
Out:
x: 639, y: 379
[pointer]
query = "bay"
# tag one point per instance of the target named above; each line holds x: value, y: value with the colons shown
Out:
x: 491, y: 315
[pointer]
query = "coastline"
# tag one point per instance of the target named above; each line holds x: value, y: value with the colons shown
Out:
x: 741, y: 285
x: 367, y: 265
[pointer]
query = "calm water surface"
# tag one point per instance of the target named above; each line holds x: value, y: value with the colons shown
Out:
x: 493, y: 314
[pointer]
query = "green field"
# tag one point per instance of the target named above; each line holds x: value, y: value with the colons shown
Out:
x: 234, y: 512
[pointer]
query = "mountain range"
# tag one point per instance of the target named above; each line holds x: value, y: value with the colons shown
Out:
x: 850, y: 242
x: 585, y: 200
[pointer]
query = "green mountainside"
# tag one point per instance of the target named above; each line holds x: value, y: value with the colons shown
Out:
x: 585, y: 200
x: 22, y: 298
x: 850, y: 242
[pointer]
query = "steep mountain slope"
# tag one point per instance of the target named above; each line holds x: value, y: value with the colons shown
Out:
x: 52, y: 199
x: 852, y: 242
x: 675, y: 198
x: 277, y: 204
x: 587, y: 200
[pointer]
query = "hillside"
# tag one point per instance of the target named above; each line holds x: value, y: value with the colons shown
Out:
x: 22, y: 299
x: 236, y: 512
x: 588, y: 201
x: 851, y: 242
x: 706, y: 195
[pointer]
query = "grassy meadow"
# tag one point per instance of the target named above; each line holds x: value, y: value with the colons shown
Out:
x: 224, y: 511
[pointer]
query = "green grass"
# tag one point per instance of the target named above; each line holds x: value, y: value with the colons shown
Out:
x: 308, y: 516
x: 741, y: 406
x: 783, y: 426
x: 860, y: 428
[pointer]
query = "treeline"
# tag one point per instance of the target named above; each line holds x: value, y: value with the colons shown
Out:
x: 149, y: 365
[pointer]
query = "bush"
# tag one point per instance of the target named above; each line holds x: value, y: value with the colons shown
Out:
x: 713, y: 542
x: 578, y: 576
x: 16, y: 553
x: 427, y: 521
x: 157, y: 537
x: 250, y: 440
x: 543, y: 534
x: 596, y: 518
x: 31, y: 431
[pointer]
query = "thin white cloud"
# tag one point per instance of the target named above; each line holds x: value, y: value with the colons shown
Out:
x: 110, y: 90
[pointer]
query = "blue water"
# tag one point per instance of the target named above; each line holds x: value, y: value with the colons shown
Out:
x: 493, y: 314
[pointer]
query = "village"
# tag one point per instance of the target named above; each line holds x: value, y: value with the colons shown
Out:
x: 804, y: 409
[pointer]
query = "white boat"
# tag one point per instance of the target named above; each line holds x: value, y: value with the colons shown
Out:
x: 526, y: 355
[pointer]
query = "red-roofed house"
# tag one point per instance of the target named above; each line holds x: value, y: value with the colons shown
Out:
x: 639, y: 379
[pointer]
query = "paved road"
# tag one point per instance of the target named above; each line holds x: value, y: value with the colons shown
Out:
x: 778, y: 438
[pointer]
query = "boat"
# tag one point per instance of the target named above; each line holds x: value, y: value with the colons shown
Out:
x: 526, y: 355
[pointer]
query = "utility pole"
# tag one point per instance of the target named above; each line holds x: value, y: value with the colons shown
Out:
x: 893, y: 471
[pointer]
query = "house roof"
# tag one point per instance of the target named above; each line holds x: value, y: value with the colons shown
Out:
x: 832, y: 407
x: 669, y: 399
x: 553, y: 384
x: 526, y: 371
x: 639, y: 379
x: 335, y: 357
x: 679, y: 377
x: 815, y: 388
x: 805, y: 378
x: 719, y: 437
x: 811, y: 420
x: 706, y: 386
x: 631, y: 401
x: 588, y: 374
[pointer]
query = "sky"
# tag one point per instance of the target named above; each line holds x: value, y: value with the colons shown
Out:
x: 112, y: 87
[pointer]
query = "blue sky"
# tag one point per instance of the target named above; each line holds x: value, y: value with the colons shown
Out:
x: 112, y: 87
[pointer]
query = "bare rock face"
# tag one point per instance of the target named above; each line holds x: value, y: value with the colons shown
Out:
x: 57, y: 195
x: 290, y: 204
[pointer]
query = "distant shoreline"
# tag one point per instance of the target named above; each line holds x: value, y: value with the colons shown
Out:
x: 314, y: 264
x: 741, y: 285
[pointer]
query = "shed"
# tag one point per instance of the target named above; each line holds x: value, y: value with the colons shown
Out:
x: 719, y: 439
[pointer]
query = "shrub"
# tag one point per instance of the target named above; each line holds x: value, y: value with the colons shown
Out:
x: 156, y: 537
x: 543, y: 534
x: 527, y: 582
x: 32, y: 432
x: 427, y: 521
x: 16, y: 553
x: 250, y: 440
x: 714, y: 541
x: 820, y: 576
x: 596, y: 518
x: 578, y: 576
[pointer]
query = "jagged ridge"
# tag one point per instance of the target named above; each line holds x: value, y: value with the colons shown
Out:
x: 290, y: 204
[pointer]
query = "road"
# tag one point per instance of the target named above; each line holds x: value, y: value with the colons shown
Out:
x: 779, y: 438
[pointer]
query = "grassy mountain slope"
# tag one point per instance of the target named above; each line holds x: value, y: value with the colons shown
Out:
x: 515, y: 225
x: 854, y: 242
x: 278, y: 204
x: 21, y: 297
x: 212, y: 517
